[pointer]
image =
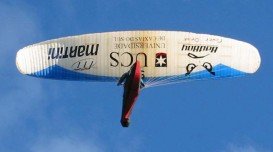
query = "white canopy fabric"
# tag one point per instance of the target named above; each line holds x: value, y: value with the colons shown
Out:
x: 165, y: 56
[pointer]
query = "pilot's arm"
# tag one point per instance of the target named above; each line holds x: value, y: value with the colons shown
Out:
x: 142, y: 85
x: 122, y: 78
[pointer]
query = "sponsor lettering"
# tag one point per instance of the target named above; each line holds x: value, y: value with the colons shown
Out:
x: 141, y: 38
x: 141, y: 45
x: 126, y: 59
x: 199, y: 48
x: 73, y: 51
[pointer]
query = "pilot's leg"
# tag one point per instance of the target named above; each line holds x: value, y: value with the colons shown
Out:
x: 125, y: 121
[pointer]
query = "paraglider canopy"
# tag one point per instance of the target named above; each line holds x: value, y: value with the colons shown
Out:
x: 165, y: 57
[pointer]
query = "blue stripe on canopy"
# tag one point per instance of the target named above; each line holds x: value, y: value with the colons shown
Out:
x: 60, y: 73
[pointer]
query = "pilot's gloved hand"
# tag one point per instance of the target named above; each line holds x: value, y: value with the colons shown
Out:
x: 142, y: 85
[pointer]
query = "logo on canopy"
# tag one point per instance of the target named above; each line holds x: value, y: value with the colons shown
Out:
x: 84, y: 64
x: 161, y: 60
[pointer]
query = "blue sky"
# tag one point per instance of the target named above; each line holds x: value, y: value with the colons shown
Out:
x: 231, y: 115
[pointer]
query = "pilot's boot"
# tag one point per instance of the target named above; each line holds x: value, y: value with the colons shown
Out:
x: 125, y: 122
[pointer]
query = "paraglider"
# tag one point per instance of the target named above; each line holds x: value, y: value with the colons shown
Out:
x: 138, y: 60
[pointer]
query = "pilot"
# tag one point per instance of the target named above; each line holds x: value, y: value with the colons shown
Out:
x: 126, y: 75
x: 127, y: 94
